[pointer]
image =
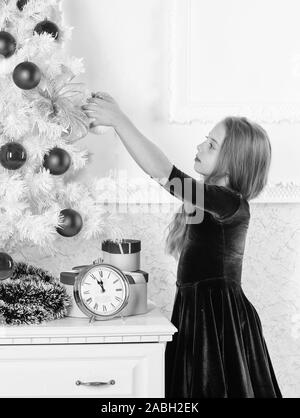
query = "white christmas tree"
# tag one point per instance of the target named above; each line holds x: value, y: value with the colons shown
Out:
x: 40, y: 121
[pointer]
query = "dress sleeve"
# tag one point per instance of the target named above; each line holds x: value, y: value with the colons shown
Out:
x: 221, y: 202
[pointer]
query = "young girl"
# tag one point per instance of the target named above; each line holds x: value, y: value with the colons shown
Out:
x: 219, y: 350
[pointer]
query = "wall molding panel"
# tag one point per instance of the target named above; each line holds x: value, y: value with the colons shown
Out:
x: 257, y: 84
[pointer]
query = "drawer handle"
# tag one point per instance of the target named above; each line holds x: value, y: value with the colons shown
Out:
x: 79, y: 382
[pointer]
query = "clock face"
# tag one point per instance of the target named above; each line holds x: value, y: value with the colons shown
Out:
x: 103, y: 290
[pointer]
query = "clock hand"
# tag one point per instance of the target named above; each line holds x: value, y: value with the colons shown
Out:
x: 101, y: 284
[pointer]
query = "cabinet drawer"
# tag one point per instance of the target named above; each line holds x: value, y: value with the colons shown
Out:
x: 53, y: 370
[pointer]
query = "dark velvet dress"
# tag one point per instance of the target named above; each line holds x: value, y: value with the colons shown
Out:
x: 219, y: 350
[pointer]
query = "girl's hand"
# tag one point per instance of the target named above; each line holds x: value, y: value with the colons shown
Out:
x: 103, y: 110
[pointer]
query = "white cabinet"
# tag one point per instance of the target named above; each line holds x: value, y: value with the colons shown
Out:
x: 122, y: 357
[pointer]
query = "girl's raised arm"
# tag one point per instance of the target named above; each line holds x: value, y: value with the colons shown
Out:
x: 146, y: 154
x: 217, y: 200
x: 104, y: 110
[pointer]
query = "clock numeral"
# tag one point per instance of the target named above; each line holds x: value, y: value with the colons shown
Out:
x: 93, y: 276
x: 86, y: 292
x: 104, y: 308
x: 112, y: 305
x: 115, y: 281
x: 101, y: 273
x: 119, y: 290
x: 89, y: 300
x: 109, y: 274
x: 118, y: 299
x: 96, y: 306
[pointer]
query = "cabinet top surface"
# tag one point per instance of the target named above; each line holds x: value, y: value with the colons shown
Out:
x: 151, y: 323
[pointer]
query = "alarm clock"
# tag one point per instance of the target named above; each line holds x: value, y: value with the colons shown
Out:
x: 103, y: 291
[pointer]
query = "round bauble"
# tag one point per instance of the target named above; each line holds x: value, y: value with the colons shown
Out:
x: 12, y: 155
x: 6, y: 266
x: 27, y: 75
x: 46, y: 26
x: 21, y: 4
x: 72, y: 223
x: 58, y: 161
x: 7, y: 44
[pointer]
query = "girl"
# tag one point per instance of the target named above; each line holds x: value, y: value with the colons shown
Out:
x: 219, y: 350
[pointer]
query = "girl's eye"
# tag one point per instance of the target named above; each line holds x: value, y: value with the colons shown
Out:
x: 210, y: 145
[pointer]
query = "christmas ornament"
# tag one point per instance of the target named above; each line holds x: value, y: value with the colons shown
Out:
x: 57, y: 161
x: 21, y: 4
x: 72, y: 223
x: 46, y: 26
x: 98, y: 129
x: 27, y: 75
x: 32, y: 296
x: 7, y: 44
x: 61, y: 103
x: 12, y: 155
x: 6, y: 266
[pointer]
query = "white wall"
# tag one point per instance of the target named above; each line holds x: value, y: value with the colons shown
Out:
x: 125, y: 46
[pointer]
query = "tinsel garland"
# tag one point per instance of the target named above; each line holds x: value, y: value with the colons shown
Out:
x: 31, y: 296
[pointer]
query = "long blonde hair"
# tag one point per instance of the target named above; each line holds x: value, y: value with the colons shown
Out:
x: 244, y: 157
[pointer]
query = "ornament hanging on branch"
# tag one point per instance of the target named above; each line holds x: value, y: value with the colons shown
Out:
x: 21, y: 4
x: 58, y: 161
x: 6, y: 266
x: 72, y: 223
x: 7, y: 44
x: 98, y: 129
x: 12, y: 155
x: 27, y: 75
x: 60, y: 101
x: 46, y: 26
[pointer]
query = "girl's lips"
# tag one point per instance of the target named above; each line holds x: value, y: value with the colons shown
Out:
x: 197, y: 159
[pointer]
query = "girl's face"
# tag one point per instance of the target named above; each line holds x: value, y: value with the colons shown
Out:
x: 208, y: 150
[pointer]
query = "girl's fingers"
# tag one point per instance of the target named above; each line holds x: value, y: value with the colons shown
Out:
x: 92, y: 122
x: 103, y: 96
x: 98, y: 95
x: 96, y: 101
x: 87, y: 110
x: 91, y: 106
x: 90, y: 113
